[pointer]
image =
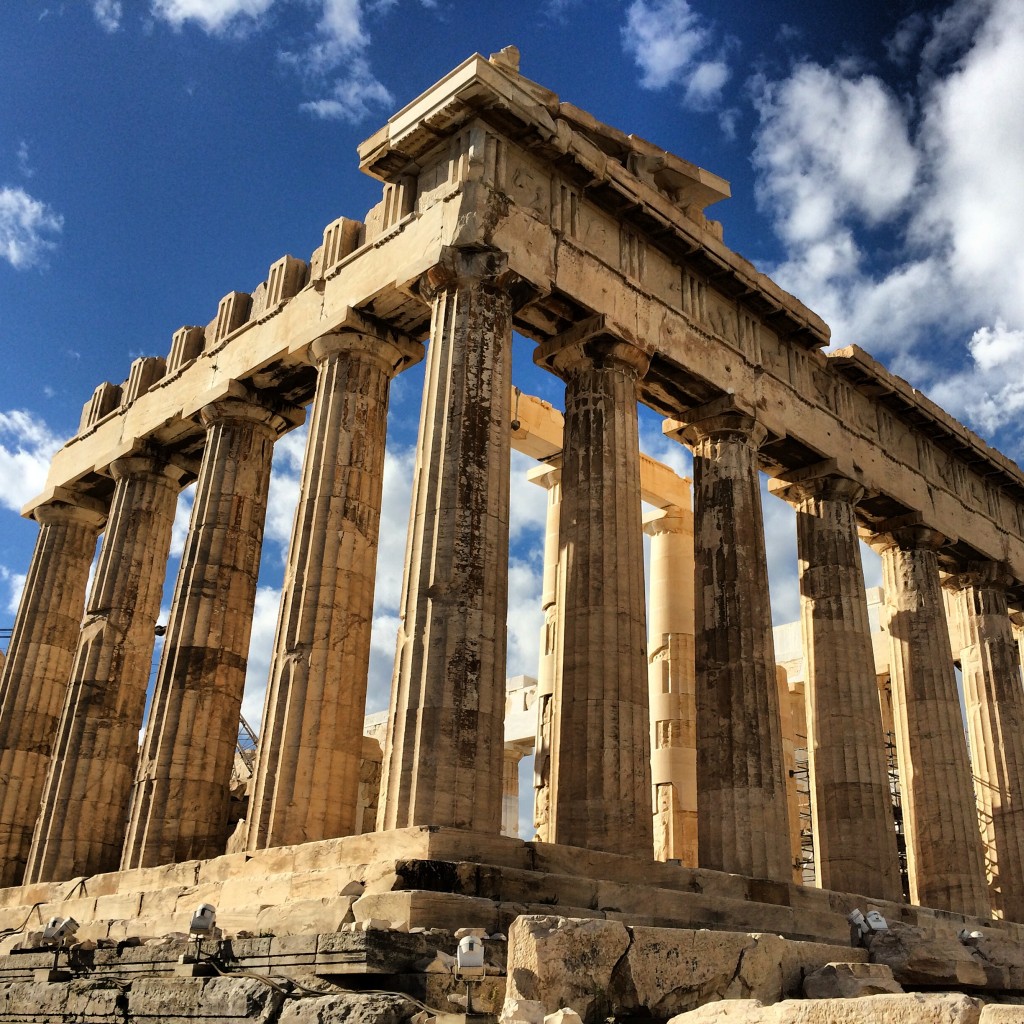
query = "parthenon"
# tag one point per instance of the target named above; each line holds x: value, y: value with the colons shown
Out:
x: 660, y: 728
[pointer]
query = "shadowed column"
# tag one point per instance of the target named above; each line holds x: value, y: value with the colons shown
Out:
x: 671, y: 680
x: 995, y: 722
x: 601, y: 793
x: 306, y: 784
x: 35, y: 672
x: 854, y: 831
x: 179, y: 807
x: 742, y: 822
x: 944, y: 855
x: 445, y: 742
x: 81, y: 827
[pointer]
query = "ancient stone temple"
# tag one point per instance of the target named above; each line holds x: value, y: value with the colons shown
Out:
x: 664, y: 731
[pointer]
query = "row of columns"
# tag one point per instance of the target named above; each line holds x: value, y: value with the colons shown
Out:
x: 443, y: 761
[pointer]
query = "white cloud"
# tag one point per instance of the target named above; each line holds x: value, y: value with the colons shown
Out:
x: 182, y: 517
x: 108, y: 13
x: 26, y: 447
x: 898, y: 214
x: 261, y: 647
x: 670, y: 44
x: 27, y: 228
x: 210, y: 15
x: 14, y: 582
x: 285, y: 478
x: 353, y: 97
x: 24, y: 165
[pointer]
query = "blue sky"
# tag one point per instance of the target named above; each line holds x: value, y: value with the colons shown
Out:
x: 156, y: 154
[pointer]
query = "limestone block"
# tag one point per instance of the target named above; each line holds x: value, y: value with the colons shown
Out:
x: 563, y: 1016
x: 934, y: 958
x: 301, y: 917
x: 845, y: 981
x: 559, y: 962
x: 173, y: 998
x: 1001, y: 956
x: 350, y: 1008
x: 522, y: 1011
x: 1002, y: 1013
x: 76, y: 1000
x: 414, y: 907
x: 910, y: 1008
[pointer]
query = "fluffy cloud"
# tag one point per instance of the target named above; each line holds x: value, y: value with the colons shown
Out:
x: 672, y: 45
x: 895, y: 212
x: 351, y: 98
x: 27, y: 228
x: 211, y: 15
x: 14, y: 584
x: 108, y: 14
x: 26, y: 447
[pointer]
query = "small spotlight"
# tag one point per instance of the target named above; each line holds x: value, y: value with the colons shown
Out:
x: 204, y: 920
x: 58, y: 930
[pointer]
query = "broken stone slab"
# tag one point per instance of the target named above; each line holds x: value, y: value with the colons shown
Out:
x: 80, y: 999
x: 173, y: 998
x: 936, y: 958
x: 667, y: 971
x: 348, y: 1008
x: 560, y: 961
x: 566, y: 1015
x: 302, y: 917
x: 909, y: 1008
x: 848, y: 981
x: 522, y: 1011
x: 1002, y: 1013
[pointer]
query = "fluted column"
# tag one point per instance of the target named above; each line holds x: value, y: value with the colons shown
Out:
x: 179, y: 806
x: 741, y: 790
x: 995, y: 722
x: 306, y: 783
x: 81, y: 825
x: 548, y: 476
x: 445, y: 740
x: 35, y: 672
x: 944, y: 855
x: 510, y: 792
x: 671, y: 680
x: 854, y: 831
x: 601, y: 792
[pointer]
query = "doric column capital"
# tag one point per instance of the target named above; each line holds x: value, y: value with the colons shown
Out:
x: 151, y: 464
x: 546, y: 474
x: 360, y: 336
x: 592, y: 343
x: 822, y: 481
x: 68, y: 507
x: 242, y: 405
x: 724, y: 418
x: 456, y: 268
x: 986, y: 573
x: 670, y: 520
x: 908, y: 533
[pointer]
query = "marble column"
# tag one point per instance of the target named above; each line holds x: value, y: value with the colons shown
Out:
x: 306, y: 784
x: 179, y: 806
x: 672, y: 682
x: 742, y: 815
x: 995, y: 722
x: 96, y: 745
x: 854, y: 831
x: 601, y: 791
x: 510, y: 792
x: 787, y: 727
x: 944, y: 855
x: 35, y: 672
x: 548, y: 476
x: 445, y: 740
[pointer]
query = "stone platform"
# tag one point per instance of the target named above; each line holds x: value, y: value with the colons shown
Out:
x: 431, y: 877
